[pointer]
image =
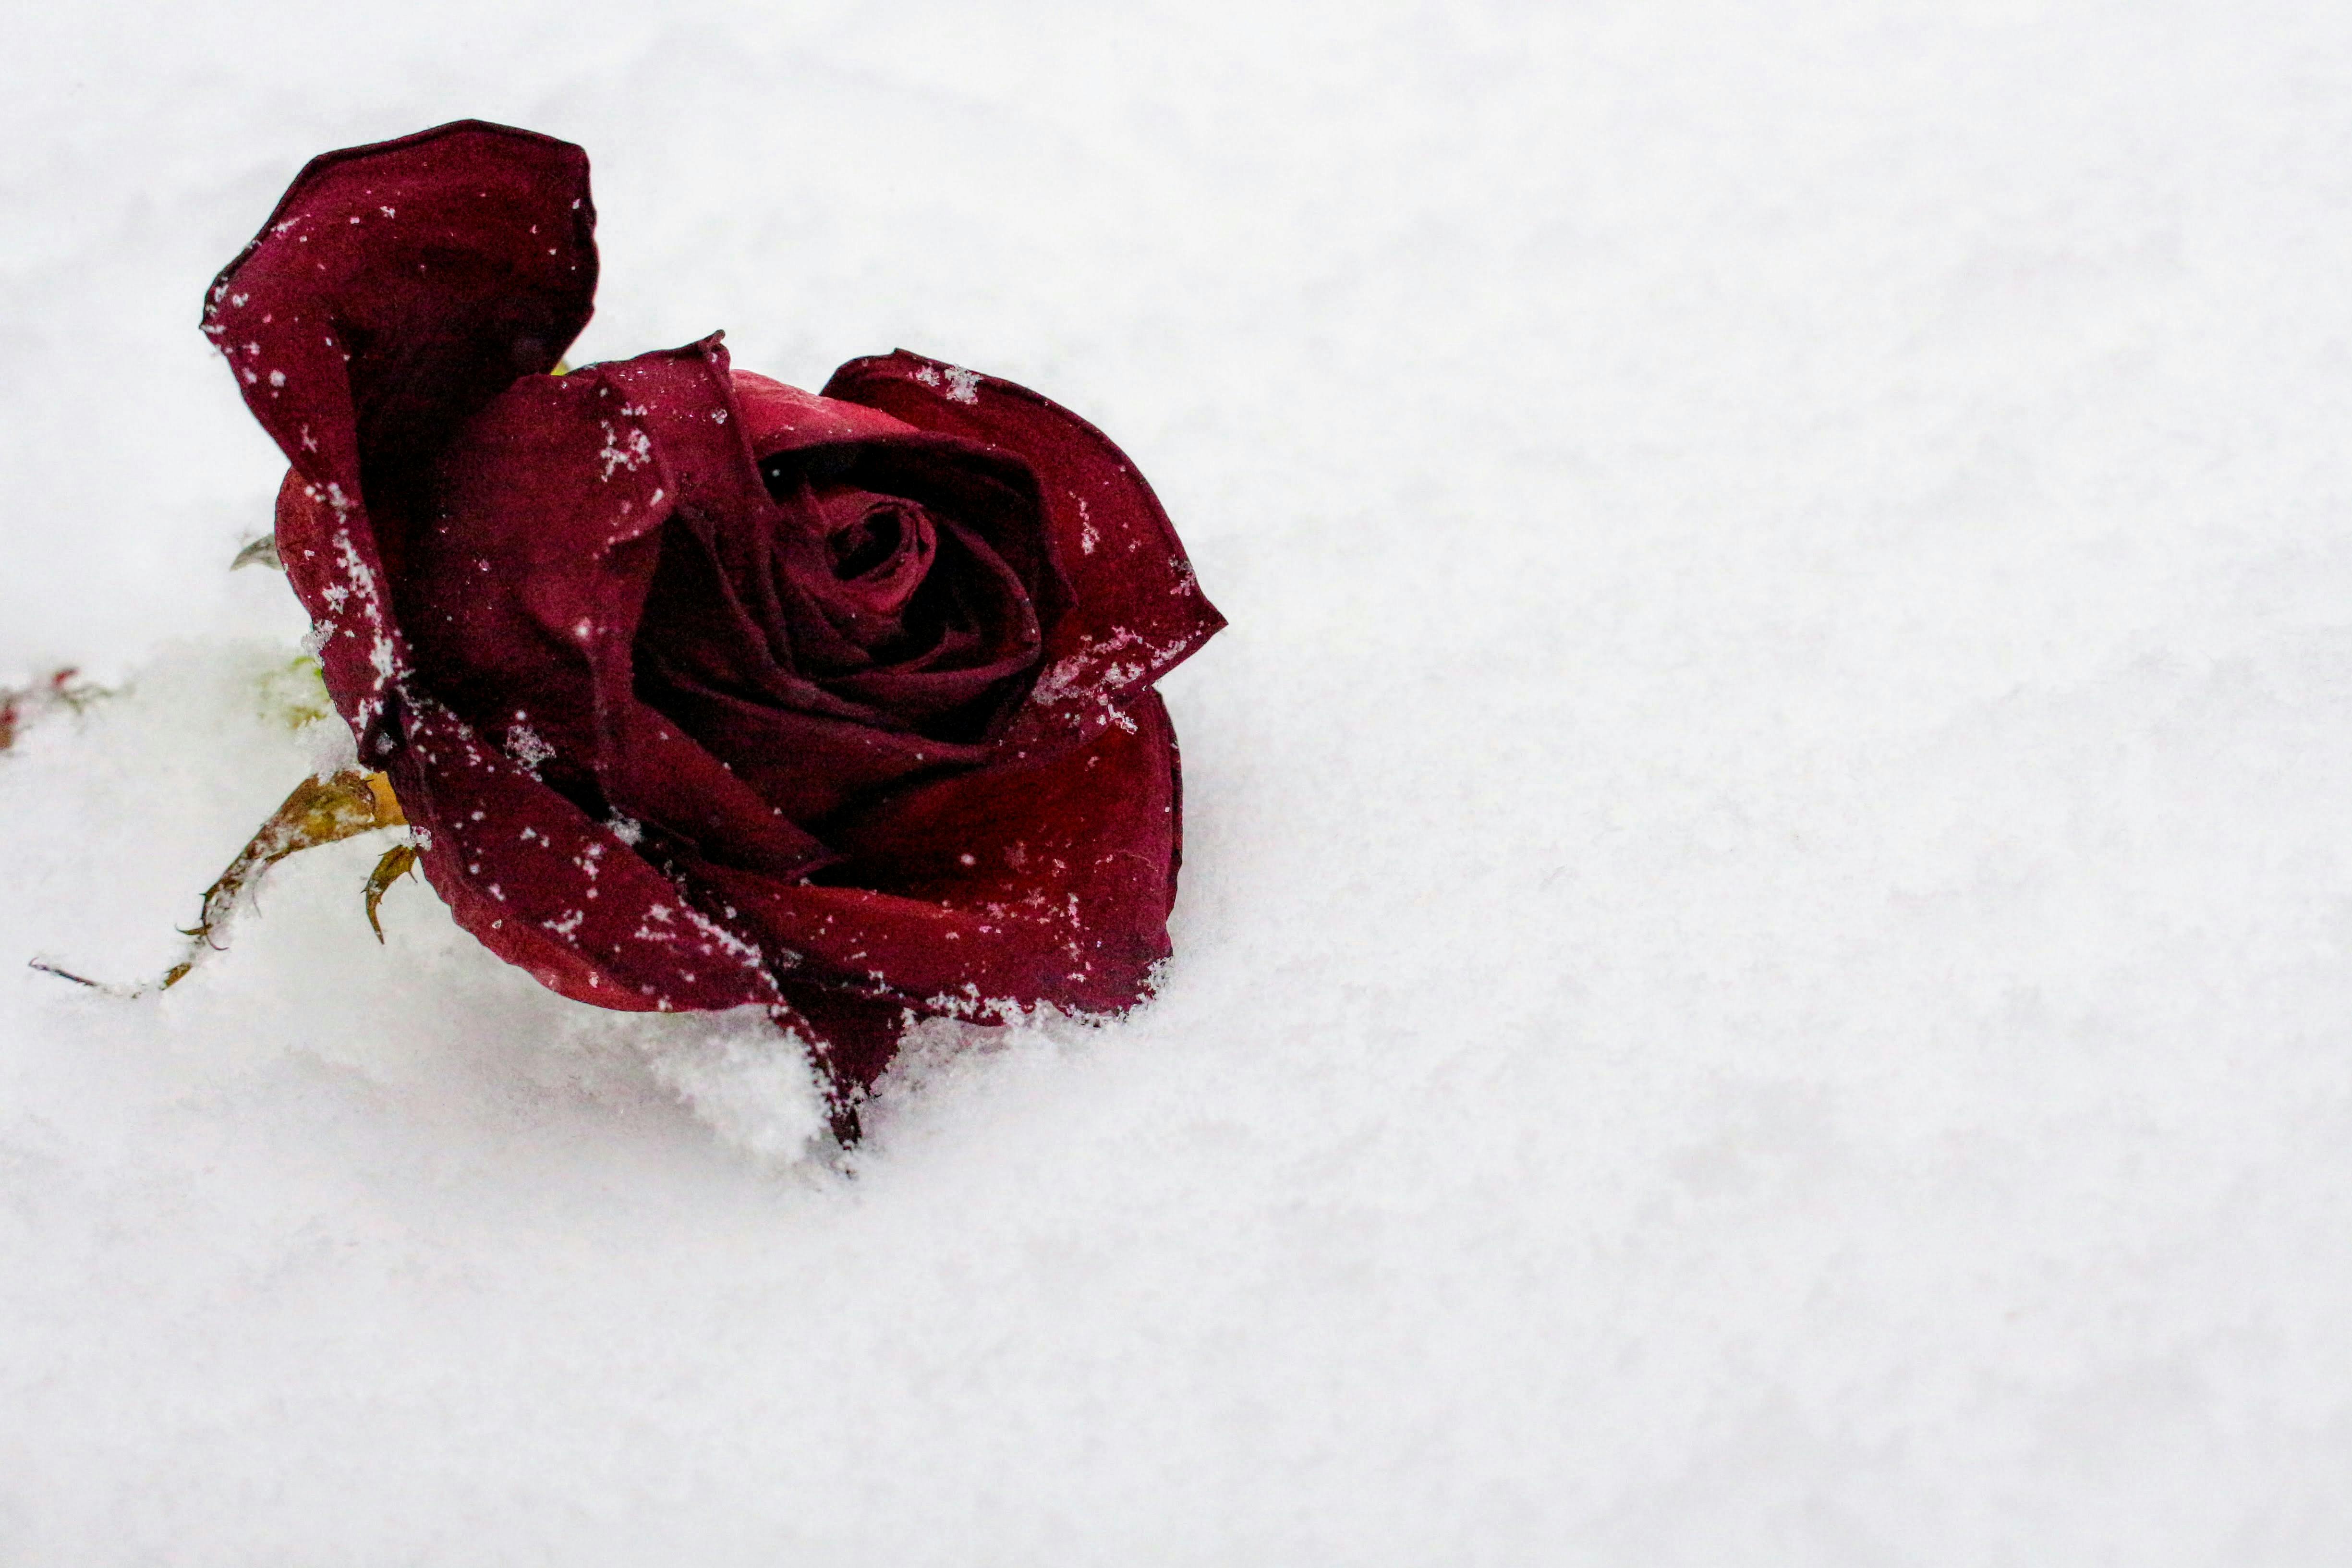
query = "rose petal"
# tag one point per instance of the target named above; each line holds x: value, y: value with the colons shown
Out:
x: 717, y: 617
x: 396, y: 289
x: 542, y: 886
x: 1048, y: 880
x: 806, y: 765
x: 1136, y: 611
x: 851, y: 1042
x: 445, y: 264
x: 780, y: 418
x: 874, y: 552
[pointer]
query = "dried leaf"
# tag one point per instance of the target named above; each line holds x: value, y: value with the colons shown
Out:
x: 387, y: 804
x: 318, y: 811
x: 396, y: 862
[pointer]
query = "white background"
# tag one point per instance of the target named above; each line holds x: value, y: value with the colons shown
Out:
x: 1765, y: 959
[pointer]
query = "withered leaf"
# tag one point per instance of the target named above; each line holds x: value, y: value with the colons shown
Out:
x: 396, y: 862
x: 318, y: 811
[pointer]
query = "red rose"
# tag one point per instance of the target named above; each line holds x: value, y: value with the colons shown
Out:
x: 699, y: 691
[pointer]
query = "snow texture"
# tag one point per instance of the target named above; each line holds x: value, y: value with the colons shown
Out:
x: 1764, y: 972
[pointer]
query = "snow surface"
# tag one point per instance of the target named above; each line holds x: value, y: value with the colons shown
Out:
x: 1765, y: 965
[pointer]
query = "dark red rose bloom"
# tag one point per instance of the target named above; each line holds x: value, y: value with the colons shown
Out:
x: 701, y: 690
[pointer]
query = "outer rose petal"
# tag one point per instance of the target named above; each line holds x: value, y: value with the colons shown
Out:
x: 543, y: 887
x: 397, y: 289
x: 1138, y: 612
x: 852, y: 1040
x: 1043, y: 882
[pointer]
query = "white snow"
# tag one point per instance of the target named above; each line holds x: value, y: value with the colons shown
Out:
x: 1764, y: 972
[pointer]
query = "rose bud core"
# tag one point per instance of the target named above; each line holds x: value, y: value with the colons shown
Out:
x: 699, y: 691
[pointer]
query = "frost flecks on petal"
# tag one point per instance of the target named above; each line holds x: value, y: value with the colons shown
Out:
x: 1091, y: 686
x: 527, y: 747
x: 566, y: 900
x: 626, y: 449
